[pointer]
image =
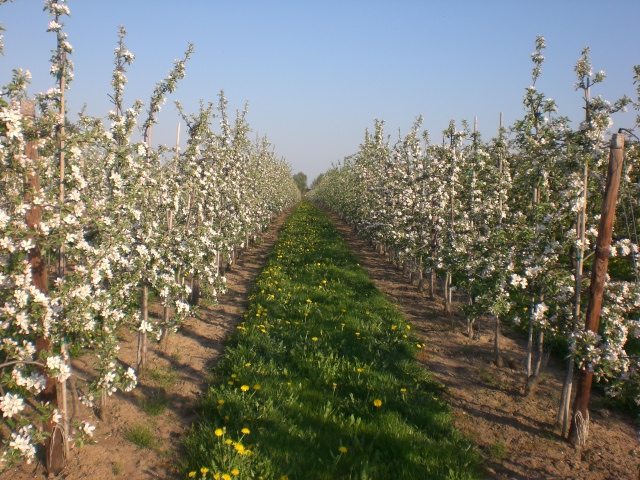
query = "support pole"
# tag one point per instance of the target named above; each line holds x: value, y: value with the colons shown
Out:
x: 580, y: 420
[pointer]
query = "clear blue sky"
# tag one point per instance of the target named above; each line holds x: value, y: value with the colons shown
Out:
x: 316, y: 74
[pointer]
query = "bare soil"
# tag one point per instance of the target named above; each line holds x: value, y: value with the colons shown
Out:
x: 515, y: 434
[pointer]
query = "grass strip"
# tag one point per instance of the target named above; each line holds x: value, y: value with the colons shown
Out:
x: 320, y: 381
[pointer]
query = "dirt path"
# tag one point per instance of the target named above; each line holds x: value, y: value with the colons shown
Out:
x: 173, y: 383
x: 516, y: 435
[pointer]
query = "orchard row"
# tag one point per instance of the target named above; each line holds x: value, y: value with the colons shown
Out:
x: 93, y: 221
x: 510, y: 224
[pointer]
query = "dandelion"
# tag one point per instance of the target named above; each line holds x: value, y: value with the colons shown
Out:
x: 192, y: 474
x: 246, y: 431
x: 377, y: 403
x: 218, y: 432
x: 226, y: 476
x: 342, y: 449
x: 235, y: 472
x: 256, y: 387
x: 244, y: 388
x: 315, y: 339
x: 221, y: 402
x: 239, y: 448
x: 204, y: 470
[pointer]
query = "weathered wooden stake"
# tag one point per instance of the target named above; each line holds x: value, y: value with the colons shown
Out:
x: 55, y: 444
x: 580, y: 420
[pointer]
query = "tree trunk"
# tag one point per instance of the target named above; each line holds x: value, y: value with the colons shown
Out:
x: 565, y: 402
x: 497, y: 352
x: 142, y: 334
x: 447, y: 294
x: 194, y: 299
x: 432, y: 286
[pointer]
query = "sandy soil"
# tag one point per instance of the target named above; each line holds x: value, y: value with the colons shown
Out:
x: 515, y: 434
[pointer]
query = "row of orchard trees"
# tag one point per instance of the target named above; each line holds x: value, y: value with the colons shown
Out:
x: 509, y: 224
x: 114, y: 219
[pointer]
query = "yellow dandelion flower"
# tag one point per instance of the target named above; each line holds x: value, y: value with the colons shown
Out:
x: 226, y: 476
x: 408, y: 327
x: 359, y: 370
x: 221, y: 402
x: 230, y: 382
x: 403, y: 390
x: 315, y: 339
x: 233, y: 375
x: 256, y: 387
x: 244, y: 388
x: 218, y: 432
x: 342, y: 449
x: 377, y: 403
x: 216, y: 476
x: 228, y: 441
x: 192, y: 474
x: 247, y: 364
x: 308, y: 300
x: 394, y: 327
x: 239, y: 447
x: 246, y: 431
x: 235, y: 472
x: 204, y: 470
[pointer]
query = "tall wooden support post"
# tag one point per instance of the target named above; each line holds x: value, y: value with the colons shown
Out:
x: 55, y: 443
x: 580, y: 421
x: 497, y: 348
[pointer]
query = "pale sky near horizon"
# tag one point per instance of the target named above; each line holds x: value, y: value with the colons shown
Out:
x: 316, y: 74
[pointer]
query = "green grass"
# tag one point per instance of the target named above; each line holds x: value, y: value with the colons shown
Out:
x: 323, y: 376
x: 155, y: 403
x: 142, y: 436
x: 164, y: 378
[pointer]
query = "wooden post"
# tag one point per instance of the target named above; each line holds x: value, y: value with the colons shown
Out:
x: 580, y: 421
x: 55, y: 444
